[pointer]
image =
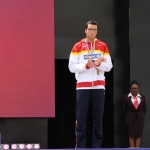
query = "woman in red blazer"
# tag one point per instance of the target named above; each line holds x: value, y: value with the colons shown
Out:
x: 134, y: 108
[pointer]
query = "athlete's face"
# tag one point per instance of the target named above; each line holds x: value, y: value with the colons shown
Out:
x: 91, y: 31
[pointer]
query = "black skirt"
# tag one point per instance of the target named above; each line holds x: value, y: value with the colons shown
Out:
x: 135, y: 129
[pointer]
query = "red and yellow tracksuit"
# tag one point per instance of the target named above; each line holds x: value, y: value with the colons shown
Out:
x: 90, y: 87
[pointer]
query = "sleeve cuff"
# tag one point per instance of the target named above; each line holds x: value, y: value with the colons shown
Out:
x: 87, y: 66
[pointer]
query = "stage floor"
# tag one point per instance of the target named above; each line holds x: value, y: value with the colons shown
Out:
x: 103, y: 149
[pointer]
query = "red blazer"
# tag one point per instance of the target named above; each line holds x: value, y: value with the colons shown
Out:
x: 130, y: 112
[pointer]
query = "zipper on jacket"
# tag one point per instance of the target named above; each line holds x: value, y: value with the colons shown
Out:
x: 92, y: 78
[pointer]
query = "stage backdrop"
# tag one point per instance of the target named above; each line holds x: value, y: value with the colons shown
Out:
x: 27, y: 58
x: 139, y: 55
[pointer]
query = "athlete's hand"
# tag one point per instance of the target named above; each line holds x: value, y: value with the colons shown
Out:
x: 99, y: 60
x: 90, y: 64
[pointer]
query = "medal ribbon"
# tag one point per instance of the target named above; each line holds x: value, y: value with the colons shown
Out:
x: 92, y: 47
x: 92, y: 51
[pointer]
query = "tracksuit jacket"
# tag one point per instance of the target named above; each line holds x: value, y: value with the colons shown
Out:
x: 87, y: 78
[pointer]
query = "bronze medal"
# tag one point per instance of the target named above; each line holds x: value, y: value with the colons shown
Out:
x: 98, y: 71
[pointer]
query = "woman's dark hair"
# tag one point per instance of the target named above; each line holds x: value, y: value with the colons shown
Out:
x: 91, y: 22
x: 134, y: 82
